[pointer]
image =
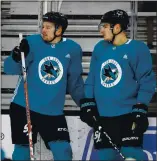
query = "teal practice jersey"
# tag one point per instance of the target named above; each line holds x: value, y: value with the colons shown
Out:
x: 52, y: 69
x: 120, y: 77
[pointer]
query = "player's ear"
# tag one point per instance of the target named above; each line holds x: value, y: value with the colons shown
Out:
x: 117, y: 28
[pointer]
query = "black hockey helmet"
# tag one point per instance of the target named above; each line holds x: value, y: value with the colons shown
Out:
x: 58, y: 18
x: 116, y: 17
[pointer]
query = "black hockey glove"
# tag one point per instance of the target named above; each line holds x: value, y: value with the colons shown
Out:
x: 24, y: 47
x: 89, y: 113
x: 140, y: 119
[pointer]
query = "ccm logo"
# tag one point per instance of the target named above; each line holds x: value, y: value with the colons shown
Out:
x: 62, y: 129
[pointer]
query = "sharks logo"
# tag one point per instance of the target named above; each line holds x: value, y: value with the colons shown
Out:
x: 111, y: 73
x: 50, y: 70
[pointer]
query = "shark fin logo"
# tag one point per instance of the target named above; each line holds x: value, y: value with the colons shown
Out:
x: 111, y: 73
x: 50, y: 70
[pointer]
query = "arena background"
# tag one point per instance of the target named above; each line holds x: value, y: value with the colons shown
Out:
x: 84, y: 16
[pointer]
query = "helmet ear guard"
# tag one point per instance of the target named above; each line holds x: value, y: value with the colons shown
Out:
x: 56, y: 27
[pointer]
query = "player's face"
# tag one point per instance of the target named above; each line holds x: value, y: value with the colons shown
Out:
x: 105, y: 31
x: 48, y: 30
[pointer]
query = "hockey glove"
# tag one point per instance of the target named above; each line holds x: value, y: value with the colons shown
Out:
x: 24, y: 47
x: 89, y: 113
x: 140, y: 119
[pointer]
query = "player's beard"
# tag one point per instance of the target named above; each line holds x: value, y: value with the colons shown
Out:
x: 107, y: 38
x: 46, y: 38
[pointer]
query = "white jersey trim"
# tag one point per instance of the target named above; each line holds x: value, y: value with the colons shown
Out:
x: 129, y: 40
x: 64, y: 39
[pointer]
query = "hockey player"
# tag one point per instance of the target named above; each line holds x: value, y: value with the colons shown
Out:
x: 53, y: 67
x: 118, y: 90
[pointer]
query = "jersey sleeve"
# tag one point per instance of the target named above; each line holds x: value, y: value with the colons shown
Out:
x: 145, y: 75
x: 14, y: 68
x: 89, y: 83
x: 75, y: 84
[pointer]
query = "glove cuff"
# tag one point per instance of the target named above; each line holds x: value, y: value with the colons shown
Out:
x: 16, y: 54
x: 140, y: 108
x: 24, y: 46
x: 88, y: 102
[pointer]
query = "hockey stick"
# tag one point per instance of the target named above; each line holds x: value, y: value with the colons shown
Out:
x: 117, y: 149
x: 113, y: 145
x: 27, y: 102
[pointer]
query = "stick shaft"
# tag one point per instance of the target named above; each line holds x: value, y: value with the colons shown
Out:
x: 27, y: 103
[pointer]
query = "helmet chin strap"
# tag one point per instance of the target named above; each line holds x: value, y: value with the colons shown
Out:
x: 114, y: 35
x: 53, y: 37
x: 56, y: 28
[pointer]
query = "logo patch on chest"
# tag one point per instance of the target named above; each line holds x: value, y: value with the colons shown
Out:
x: 50, y: 70
x: 110, y: 73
